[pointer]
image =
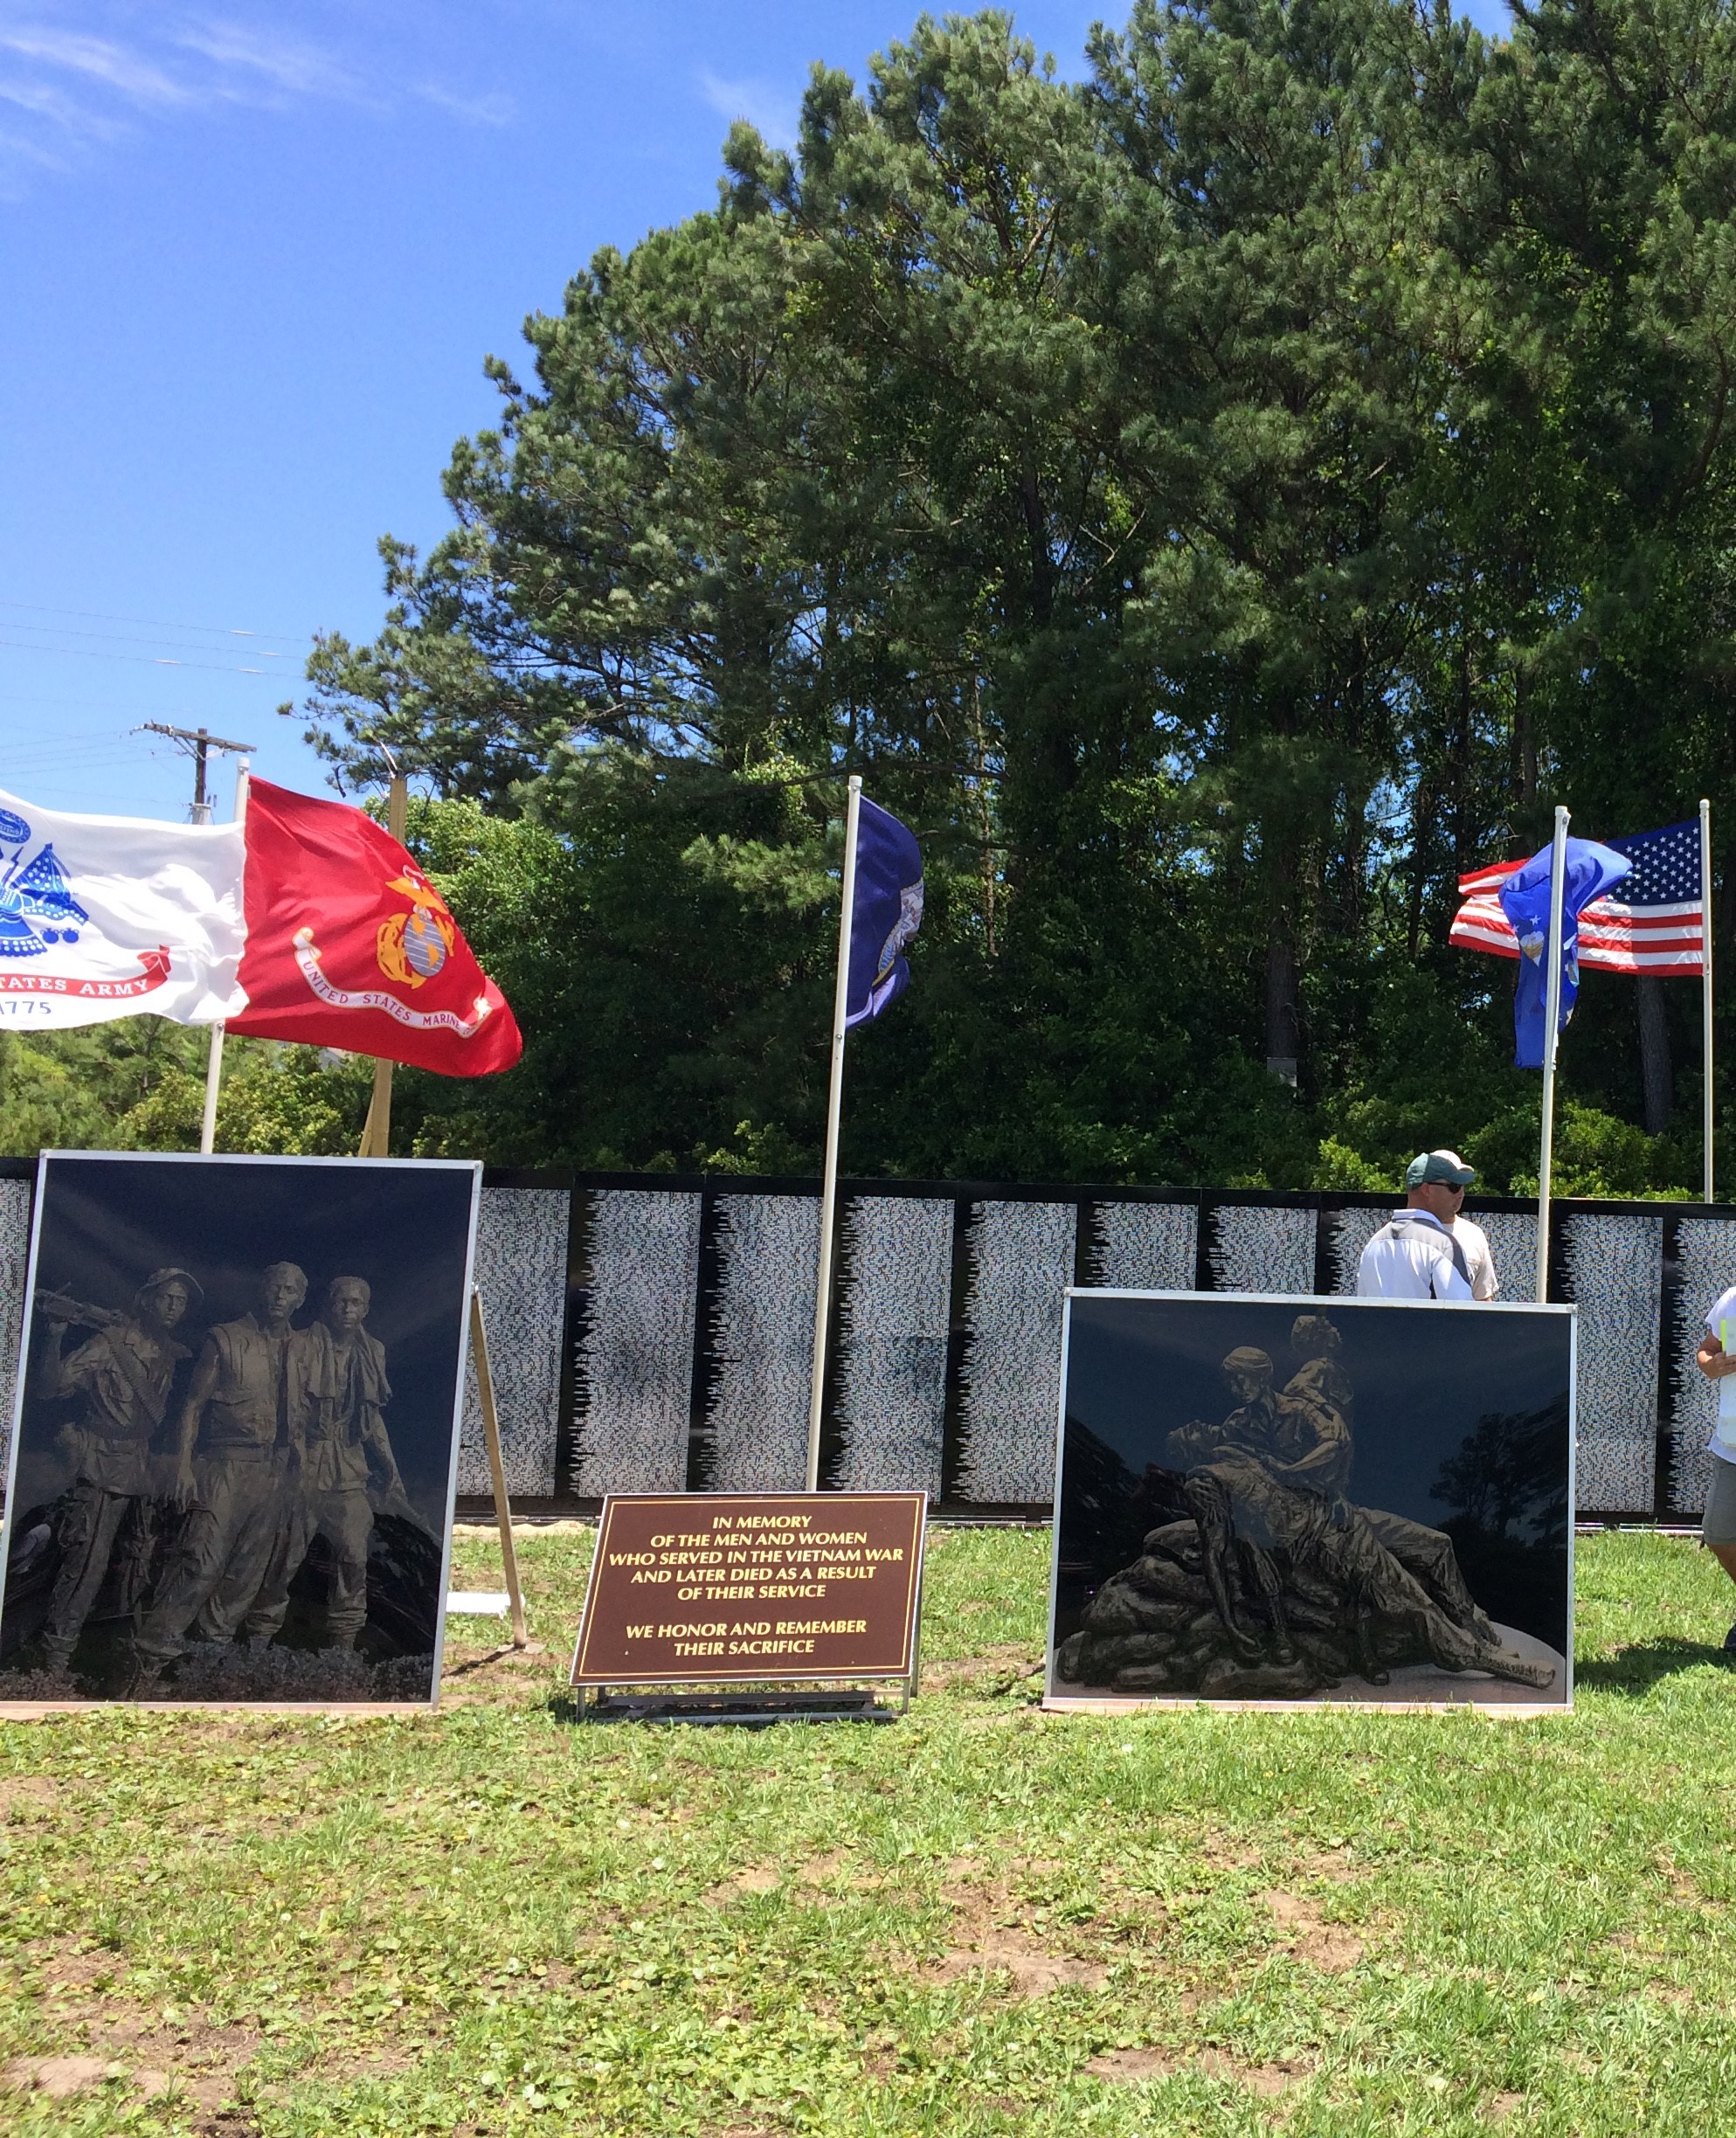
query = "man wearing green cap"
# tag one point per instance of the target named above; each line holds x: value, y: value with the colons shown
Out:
x: 1417, y: 1255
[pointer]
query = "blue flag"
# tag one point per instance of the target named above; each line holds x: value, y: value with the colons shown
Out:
x: 888, y: 911
x: 1591, y: 870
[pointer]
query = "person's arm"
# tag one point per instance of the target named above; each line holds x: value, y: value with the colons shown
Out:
x: 1712, y: 1360
x: 1324, y: 1455
x: 187, y: 1426
x: 1313, y: 1470
x: 57, y: 1373
x: 1444, y: 1281
x: 374, y: 1439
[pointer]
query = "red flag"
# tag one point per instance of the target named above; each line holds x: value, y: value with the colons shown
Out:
x: 349, y: 945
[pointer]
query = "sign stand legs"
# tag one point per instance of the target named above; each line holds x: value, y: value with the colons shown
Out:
x: 497, y: 1474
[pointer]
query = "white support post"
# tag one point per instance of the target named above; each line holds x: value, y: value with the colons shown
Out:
x: 213, y: 1086
x: 834, y: 1105
x: 1552, y: 1020
x: 214, y: 1059
x: 1708, y: 1110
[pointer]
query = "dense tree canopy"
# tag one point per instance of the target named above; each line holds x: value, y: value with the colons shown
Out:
x: 1214, y: 502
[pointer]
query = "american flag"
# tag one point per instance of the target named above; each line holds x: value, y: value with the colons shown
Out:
x: 1655, y: 926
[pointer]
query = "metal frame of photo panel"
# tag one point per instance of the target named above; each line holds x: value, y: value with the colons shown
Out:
x: 24, y: 1709
x: 1516, y: 1710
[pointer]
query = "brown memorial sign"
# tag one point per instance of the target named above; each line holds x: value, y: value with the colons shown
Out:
x: 707, y: 1588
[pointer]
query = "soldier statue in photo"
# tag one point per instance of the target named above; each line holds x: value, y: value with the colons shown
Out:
x: 121, y: 1379
x: 1257, y: 1514
x: 234, y: 1469
x: 343, y: 1460
x: 1302, y: 1437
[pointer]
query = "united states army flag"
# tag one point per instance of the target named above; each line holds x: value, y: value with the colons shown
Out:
x: 106, y: 917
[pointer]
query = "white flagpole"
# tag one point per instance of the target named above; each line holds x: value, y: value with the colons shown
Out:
x: 1552, y: 1020
x: 214, y: 1059
x: 834, y: 1106
x: 1706, y: 986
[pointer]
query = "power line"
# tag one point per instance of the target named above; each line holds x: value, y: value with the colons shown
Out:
x: 197, y: 743
x: 74, y: 705
x: 132, y: 638
x: 157, y: 623
x: 85, y: 652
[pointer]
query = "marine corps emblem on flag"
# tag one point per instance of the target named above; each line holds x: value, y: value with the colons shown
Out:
x: 350, y: 946
x: 412, y: 947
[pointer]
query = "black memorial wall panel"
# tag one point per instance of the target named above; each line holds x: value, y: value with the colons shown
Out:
x: 687, y: 1302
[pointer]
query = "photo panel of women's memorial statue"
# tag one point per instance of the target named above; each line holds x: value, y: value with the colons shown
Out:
x: 1313, y: 1499
x: 235, y: 1443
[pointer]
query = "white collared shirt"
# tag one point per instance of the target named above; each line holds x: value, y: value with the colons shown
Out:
x: 1722, y: 1323
x: 1400, y: 1268
x: 1474, y: 1245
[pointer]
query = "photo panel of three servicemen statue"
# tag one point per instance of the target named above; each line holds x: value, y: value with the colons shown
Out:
x: 233, y: 1474
x: 1281, y: 1499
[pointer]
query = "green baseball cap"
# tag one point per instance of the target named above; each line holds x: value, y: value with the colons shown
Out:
x: 1445, y: 1165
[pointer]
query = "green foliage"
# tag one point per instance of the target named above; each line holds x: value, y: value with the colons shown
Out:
x: 1594, y: 1154
x: 1216, y: 503
x: 139, y: 1085
x: 489, y: 1920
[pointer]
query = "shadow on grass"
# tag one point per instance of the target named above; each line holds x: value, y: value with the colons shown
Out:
x: 1639, y: 1667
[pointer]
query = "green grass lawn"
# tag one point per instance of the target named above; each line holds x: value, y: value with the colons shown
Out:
x: 980, y: 1920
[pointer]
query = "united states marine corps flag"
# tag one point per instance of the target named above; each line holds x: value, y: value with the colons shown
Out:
x: 349, y: 945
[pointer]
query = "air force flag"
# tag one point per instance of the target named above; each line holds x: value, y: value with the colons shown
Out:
x: 1591, y: 870
x: 105, y: 916
x: 888, y: 912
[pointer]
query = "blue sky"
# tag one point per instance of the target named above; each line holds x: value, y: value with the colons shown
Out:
x: 251, y: 260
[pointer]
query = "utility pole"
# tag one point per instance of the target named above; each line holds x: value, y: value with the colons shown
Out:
x: 196, y: 742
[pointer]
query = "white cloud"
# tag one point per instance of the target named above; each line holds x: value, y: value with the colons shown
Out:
x: 99, y: 60
x: 495, y: 110
x: 775, y: 112
x: 44, y: 102
x: 68, y: 88
x: 245, y: 56
x: 19, y: 148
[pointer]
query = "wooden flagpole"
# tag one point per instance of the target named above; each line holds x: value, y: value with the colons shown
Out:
x: 214, y: 1059
x: 834, y: 1106
x: 1552, y: 1020
x: 1707, y: 1107
x: 377, y: 1130
x: 497, y: 1472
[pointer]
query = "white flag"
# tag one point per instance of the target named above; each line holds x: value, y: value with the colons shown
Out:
x: 106, y: 916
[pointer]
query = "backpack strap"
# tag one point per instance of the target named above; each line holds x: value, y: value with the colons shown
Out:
x: 1436, y: 1236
